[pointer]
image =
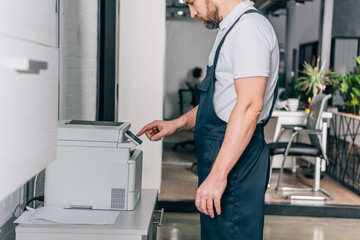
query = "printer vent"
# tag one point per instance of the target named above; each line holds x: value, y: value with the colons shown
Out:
x: 118, y: 198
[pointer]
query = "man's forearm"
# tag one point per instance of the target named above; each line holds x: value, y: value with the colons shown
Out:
x: 187, y: 121
x: 239, y: 131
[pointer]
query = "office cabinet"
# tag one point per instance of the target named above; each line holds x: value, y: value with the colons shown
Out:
x: 129, y: 225
x: 34, y: 20
x: 28, y: 90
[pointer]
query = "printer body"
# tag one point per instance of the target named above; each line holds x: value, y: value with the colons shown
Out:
x: 97, y: 167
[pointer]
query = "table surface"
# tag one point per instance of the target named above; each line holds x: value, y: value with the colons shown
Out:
x: 282, y: 113
x: 128, y: 222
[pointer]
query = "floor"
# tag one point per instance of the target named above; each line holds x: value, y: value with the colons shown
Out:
x: 186, y: 226
x: 179, y: 182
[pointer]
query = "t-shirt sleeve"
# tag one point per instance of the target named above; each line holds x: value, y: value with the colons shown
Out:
x: 250, y: 50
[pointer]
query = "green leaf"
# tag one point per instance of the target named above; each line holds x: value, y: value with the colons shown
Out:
x: 344, y: 87
x: 354, y: 100
x: 356, y: 91
x: 357, y: 59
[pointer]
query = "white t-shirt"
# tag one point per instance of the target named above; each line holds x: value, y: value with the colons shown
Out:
x: 250, y: 49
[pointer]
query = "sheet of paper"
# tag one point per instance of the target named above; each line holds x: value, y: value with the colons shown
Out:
x: 55, y: 215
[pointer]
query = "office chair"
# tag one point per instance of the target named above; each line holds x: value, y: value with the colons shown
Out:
x: 314, y: 149
x: 195, y: 98
x: 195, y: 93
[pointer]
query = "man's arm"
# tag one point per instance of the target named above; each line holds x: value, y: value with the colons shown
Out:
x: 241, y: 126
x: 158, y: 129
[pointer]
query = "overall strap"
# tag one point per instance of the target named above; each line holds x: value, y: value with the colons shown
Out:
x: 223, y: 39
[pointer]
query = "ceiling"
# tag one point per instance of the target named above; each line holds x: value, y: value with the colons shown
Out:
x: 176, y: 9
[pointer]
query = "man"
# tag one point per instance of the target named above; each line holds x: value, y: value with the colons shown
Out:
x: 195, y: 77
x: 237, y: 97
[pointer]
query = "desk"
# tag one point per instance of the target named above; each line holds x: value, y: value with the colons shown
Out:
x: 293, y: 118
x: 130, y: 225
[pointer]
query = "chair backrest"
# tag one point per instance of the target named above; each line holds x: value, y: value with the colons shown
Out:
x: 317, y: 107
x: 195, y: 94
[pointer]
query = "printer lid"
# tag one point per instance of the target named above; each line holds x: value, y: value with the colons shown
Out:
x: 92, y: 132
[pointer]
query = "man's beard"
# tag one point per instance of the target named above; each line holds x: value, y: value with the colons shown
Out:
x: 212, y: 20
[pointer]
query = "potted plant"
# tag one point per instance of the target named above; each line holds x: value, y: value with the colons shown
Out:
x: 349, y: 88
x: 314, y: 79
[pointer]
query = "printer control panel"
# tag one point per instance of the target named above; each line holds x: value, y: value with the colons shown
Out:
x: 133, y: 138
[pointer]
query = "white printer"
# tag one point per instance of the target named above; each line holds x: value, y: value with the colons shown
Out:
x: 97, y: 167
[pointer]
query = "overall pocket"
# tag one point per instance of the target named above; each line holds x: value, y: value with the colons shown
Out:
x: 206, y: 153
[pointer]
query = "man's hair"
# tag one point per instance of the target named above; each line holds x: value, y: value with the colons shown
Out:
x: 197, y: 72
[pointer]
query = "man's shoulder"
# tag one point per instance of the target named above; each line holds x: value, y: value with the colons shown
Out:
x: 254, y: 21
x: 253, y: 27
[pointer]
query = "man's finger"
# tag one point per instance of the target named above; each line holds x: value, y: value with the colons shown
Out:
x: 197, y: 202
x: 203, y: 204
x: 217, y: 203
x: 149, y: 134
x: 210, y: 207
x: 146, y: 128
x: 157, y: 136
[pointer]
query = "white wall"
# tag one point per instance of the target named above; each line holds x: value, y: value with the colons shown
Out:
x: 307, y: 21
x: 188, y: 45
x: 141, y: 75
x: 78, y: 80
x: 307, y: 24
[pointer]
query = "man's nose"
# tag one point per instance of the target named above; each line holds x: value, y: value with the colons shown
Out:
x: 193, y: 13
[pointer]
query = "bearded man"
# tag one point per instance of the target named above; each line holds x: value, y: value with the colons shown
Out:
x: 237, y: 99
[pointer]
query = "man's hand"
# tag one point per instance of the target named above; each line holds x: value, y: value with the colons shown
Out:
x: 209, y: 194
x: 158, y: 129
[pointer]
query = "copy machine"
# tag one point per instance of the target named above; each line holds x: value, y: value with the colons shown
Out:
x: 97, y: 167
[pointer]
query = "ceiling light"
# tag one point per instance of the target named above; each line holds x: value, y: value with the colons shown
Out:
x: 181, y: 1
x: 180, y: 13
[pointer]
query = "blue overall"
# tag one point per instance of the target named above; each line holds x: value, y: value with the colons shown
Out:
x: 242, y: 203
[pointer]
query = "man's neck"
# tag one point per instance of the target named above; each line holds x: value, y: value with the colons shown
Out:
x: 225, y: 6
